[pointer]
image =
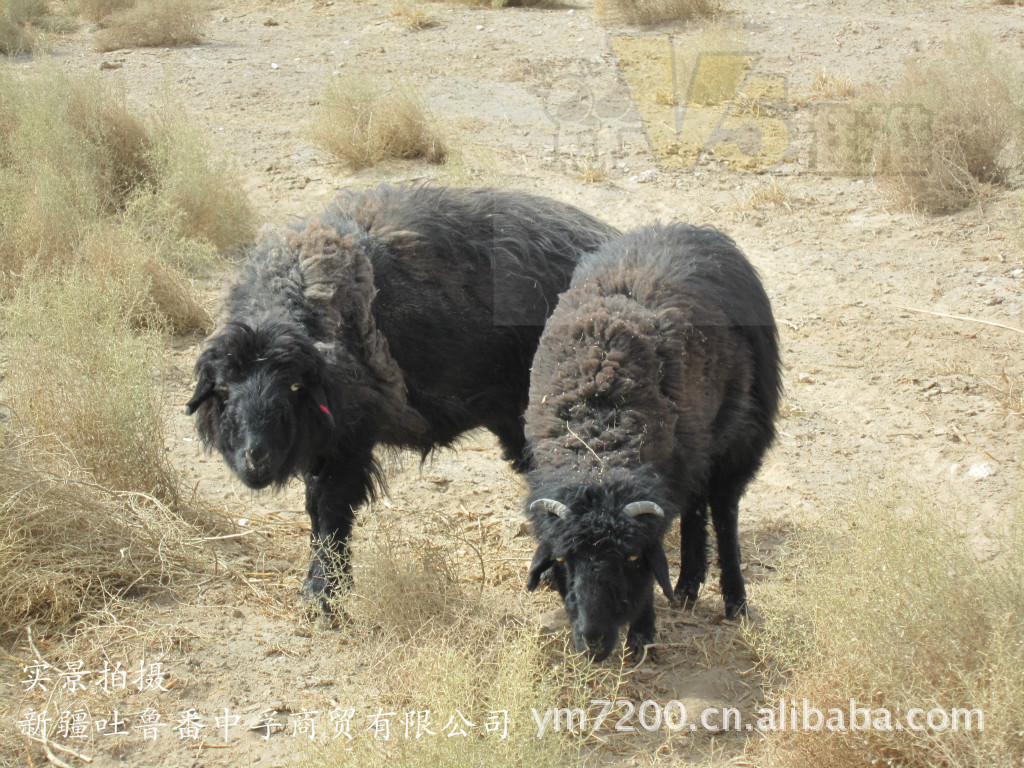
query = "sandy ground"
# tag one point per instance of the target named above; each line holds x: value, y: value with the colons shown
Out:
x: 876, y: 387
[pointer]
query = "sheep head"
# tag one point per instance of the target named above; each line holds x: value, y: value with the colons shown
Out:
x: 261, y: 400
x: 604, y: 557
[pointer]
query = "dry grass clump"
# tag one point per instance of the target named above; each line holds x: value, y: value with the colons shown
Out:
x: 833, y: 86
x: 69, y: 545
x: 80, y: 378
x: 591, y: 169
x: 197, y: 195
x: 413, y: 15
x: 75, y: 158
x: 18, y: 22
x: 649, y: 12
x: 770, y: 194
x: 892, y: 608
x: 409, y: 580
x: 363, y: 125
x: 152, y: 23
x: 949, y: 129
x: 436, y: 644
x: 97, y: 10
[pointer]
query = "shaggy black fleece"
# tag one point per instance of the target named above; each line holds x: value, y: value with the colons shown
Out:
x: 656, y: 380
x: 401, y: 316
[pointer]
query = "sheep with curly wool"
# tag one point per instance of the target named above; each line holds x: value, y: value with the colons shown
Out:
x: 653, y: 395
x: 400, y: 316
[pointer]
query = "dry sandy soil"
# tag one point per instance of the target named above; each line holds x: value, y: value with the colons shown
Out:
x: 876, y: 387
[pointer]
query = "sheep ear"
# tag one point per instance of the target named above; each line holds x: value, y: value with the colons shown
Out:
x: 552, y: 507
x: 320, y: 399
x: 637, y: 508
x: 204, y: 390
x: 659, y: 565
x: 542, y: 560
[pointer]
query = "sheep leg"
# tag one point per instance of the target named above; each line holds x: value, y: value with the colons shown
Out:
x: 513, y: 442
x: 332, y: 497
x: 693, y: 558
x: 725, y: 517
x: 641, y: 630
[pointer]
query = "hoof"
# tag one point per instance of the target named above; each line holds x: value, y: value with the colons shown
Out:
x: 686, y: 594
x: 316, y: 597
x: 737, y: 609
x: 320, y: 591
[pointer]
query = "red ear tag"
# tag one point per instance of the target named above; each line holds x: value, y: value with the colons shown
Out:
x: 326, y: 410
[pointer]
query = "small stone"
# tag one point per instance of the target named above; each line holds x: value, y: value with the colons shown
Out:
x: 981, y: 470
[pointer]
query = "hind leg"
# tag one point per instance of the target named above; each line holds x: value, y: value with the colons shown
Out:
x: 725, y: 517
x: 693, y: 536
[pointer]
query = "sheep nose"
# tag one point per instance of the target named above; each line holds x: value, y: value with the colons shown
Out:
x: 594, y: 638
x: 257, y: 458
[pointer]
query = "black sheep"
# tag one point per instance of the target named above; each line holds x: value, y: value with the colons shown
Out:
x: 401, y: 316
x: 654, y: 393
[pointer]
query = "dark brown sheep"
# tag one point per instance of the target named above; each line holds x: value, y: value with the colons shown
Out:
x: 654, y: 393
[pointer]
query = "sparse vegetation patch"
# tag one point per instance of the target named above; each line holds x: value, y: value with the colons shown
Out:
x: 149, y: 23
x: 18, y: 22
x: 651, y: 12
x: 887, y: 604
x: 363, y: 124
x: 950, y: 128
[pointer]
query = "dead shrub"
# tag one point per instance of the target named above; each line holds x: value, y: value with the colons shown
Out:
x: 833, y: 86
x: 888, y: 605
x: 412, y: 15
x: 153, y: 23
x: 69, y: 545
x: 407, y: 579
x: 433, y: 637
x: 74, y: 155
x: 650, y: 12
x: 363, y: 125
x: 950, y: 129
x: 97, y: 10
x: 770, y: 194
x: 163, y: 299
x: 197, y: 194
x: 18, y: 22
x: 81, y: 379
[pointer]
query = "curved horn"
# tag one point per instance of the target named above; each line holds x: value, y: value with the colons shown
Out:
x: 637, y: 508
x: 550, y: 506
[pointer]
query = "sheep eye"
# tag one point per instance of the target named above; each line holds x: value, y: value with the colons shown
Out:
x: 559, y: 559
x: 633, y: 558
x: 296, y: 387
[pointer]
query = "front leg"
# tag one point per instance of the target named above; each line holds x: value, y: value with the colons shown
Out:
x: 333, y: 495
x: 641, y: 631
